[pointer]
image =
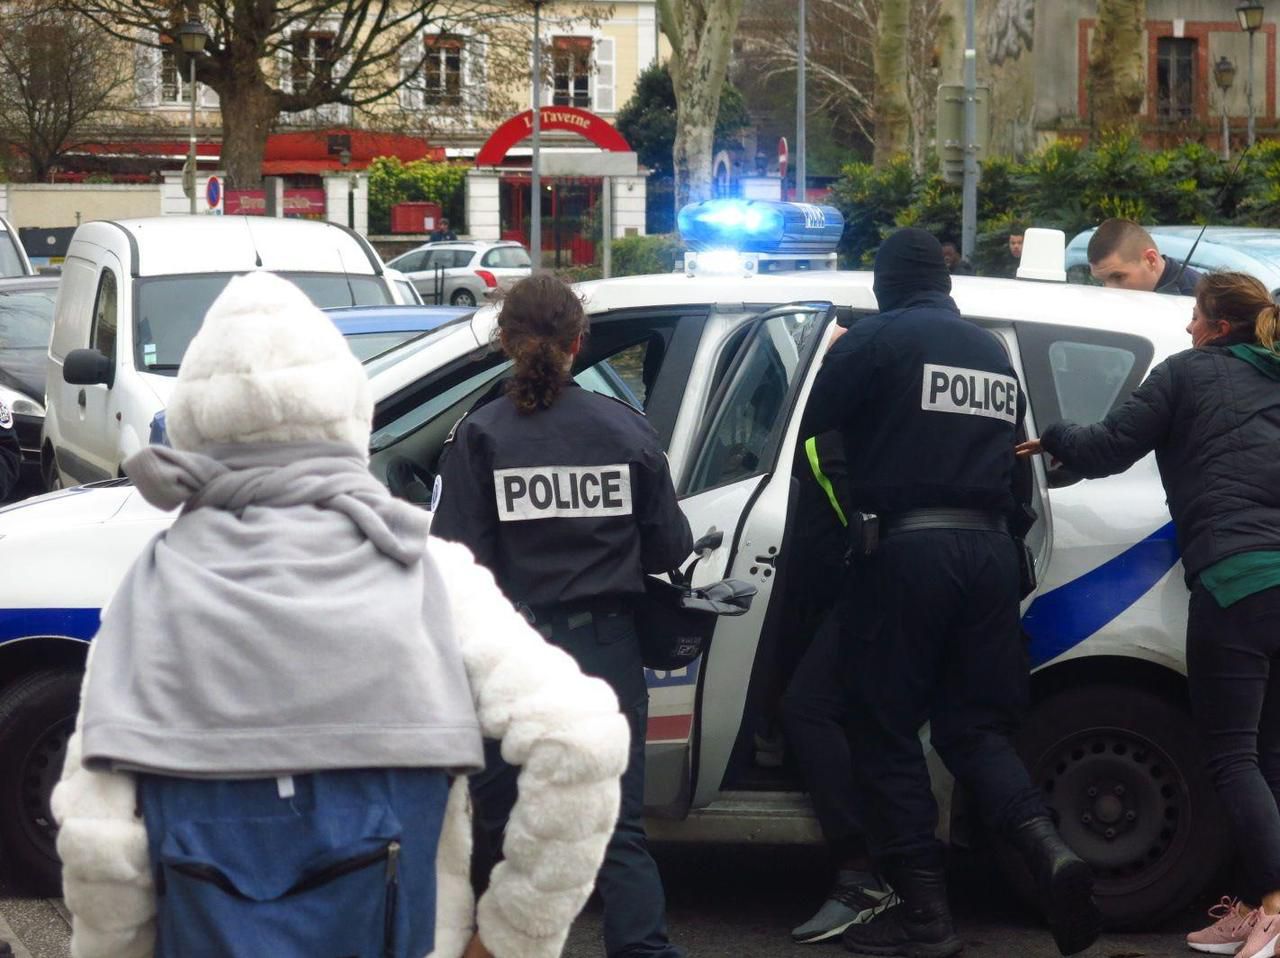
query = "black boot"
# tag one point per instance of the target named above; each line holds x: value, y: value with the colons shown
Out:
x: 920, y: 925
x: 1064, y: 883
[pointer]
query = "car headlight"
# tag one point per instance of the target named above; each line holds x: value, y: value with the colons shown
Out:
x: 20, y: 403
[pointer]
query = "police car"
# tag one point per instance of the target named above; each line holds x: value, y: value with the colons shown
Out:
x: 722, y: 357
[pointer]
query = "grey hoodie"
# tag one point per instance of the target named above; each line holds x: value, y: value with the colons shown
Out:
x: 288, y: 621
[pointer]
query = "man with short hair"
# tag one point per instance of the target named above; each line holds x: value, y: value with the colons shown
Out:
x: 443, y: 232
x: 1016, y: 233
x: 957, y: 265
x: 1122, y: 255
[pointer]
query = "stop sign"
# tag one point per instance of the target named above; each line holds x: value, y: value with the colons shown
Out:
x: 782, y: 157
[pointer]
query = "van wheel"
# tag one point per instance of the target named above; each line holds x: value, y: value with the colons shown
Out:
x: 37, y: 717
x: 49, y: 472
x: 463, y: 297
x: 1123, y: 779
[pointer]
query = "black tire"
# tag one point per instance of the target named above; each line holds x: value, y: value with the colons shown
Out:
x: 1123, y: 777
x: 49, y: 472
x: 462, y: 297
x: 37, y: 717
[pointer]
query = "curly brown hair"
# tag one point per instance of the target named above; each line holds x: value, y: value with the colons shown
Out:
x: 1243, y: 302
x: 540, y: 321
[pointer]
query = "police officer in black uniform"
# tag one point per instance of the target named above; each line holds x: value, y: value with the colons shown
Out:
x: 567, y: 498
x: 10, y: 454
x: 929, y: 406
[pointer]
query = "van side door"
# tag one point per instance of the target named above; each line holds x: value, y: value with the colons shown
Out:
x: 90, y: 430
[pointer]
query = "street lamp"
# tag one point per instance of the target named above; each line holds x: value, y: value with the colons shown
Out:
x: 1224, y: 74
x: 535, y: 162
x: 344, y: 157
x: 1249, y: 14
x: 192, y: 35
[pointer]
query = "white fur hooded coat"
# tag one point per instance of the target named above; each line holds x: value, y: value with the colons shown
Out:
x: 562, y: 728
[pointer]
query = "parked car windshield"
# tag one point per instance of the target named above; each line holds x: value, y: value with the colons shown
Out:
x: 169, y: 309
x: 10, y: 261
x: 26, y: 318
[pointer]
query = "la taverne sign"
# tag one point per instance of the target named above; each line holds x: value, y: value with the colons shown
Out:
x: 583, y: 122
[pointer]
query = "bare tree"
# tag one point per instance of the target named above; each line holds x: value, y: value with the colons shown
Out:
x: 701, y: 34
x: 268, y: 57
x: 1116, y: 82
x: 58, y: 81
x: 893, y: 115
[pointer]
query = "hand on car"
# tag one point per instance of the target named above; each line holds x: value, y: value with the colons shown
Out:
x: 836, y: 333
x: 1031, y: 447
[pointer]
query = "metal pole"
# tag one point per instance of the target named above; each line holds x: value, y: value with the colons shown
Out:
x: 801, y: 180
x: 1249, y: 88
x: 969, y: 212
x: 606, y: 223
x: 1226, y: 129
x: 191, y: 151
x: 535, y: 168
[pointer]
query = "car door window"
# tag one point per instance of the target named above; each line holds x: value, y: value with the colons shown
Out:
x: 751, y: 412
x: 506, y: 257
x: 410, y: 262
x: 105, y: 316
x: 1079, y: 375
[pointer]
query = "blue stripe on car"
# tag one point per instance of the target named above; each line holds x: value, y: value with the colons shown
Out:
x: 66, y: 623
x: 1060, y: 620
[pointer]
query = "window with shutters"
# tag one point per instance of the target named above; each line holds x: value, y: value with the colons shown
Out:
x: 174, y: 86
x: 571, y: 71
x: 1176, y: 78
x: 312, y: 58
x: 442, y: 69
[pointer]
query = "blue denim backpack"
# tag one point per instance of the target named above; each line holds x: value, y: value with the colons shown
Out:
x: 326, y: 865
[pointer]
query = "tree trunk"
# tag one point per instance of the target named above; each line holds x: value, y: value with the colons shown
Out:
x: 701, y: 35
x: 248, y: 113
x: 893, y: 121
x: 1116, y: 82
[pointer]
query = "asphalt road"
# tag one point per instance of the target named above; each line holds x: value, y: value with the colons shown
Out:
x: 740, y: 902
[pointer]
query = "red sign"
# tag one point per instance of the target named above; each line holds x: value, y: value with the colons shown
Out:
x: 586, y: 124
x: 782, y: 157
x: 298, y: 204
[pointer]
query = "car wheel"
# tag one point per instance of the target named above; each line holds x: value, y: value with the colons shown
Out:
x: 49, y: 472
x: 1123, y: 779
x: 37, y: 717
x: 462, y: 297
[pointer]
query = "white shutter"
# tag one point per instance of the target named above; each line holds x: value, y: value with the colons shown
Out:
x: 475, y: 92
x: 602, y: 98
x: 284, y: 64
x: 146, y: 75
x: 209, y: 98
x: 412, y: 94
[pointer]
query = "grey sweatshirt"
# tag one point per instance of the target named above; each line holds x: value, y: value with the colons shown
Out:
x: 288, y: 621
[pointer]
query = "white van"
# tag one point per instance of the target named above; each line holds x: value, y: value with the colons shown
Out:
x: 133, y: 294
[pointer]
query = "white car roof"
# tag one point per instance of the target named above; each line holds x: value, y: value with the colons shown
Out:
x: 165, y: 245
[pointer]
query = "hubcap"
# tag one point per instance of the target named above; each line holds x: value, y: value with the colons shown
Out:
x: 1120, y: 803
x: 38, y: 774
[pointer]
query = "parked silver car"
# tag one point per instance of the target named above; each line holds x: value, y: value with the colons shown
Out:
x: 461, y: 272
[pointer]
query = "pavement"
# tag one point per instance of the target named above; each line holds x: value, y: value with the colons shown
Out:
x: 735, y: 902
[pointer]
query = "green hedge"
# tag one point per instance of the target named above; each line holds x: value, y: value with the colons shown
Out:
x: 392, y: 181
x: 1064, y: 186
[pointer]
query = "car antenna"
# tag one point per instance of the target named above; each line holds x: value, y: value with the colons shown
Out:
x: 1173, y: 283
x: 257, y: 257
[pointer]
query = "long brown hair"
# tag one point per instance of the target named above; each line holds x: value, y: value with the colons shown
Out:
x: 541, y: 319
x: 1243, y: 302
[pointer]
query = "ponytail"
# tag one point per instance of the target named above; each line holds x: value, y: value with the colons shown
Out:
x: 1243, y: 303
x: 1267, y: 326
x: 540, y: 322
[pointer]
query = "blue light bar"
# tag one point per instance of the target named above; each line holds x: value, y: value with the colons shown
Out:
x: 760, y: 226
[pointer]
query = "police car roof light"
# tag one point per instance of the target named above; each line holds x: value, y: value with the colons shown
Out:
x: 760, y: 226
x: 1044, y: 256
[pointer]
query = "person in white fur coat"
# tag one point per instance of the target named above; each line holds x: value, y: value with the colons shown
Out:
x: 269, y: 372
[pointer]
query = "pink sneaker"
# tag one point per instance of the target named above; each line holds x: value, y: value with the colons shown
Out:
x: 1261, y: 942
x: 1228, y: 932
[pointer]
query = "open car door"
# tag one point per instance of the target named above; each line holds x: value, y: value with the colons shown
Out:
x: 735, y: 490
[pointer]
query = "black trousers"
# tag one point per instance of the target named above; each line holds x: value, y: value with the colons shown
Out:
x: 931, y: 633
x: 1233, y: 670
x: 635, y: 922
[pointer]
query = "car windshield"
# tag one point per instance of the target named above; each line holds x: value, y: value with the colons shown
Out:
x: 26, y: 318
x: 507, y: 257
x: 368, y: 345
x: 170, y: 309
x: 10, y: 261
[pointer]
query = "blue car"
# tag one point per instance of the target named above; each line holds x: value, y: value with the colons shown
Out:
x: 370, y: 331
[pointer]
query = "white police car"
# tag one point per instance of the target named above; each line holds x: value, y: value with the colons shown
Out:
x: 723, y: 364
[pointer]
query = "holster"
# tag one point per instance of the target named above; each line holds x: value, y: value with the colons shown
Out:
x: 864, y: 535
x: 1026, y: 568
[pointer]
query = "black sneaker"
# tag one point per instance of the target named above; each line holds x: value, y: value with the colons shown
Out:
x: 848, y: 904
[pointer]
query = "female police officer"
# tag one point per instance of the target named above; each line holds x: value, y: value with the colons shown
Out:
x: 566, y: 497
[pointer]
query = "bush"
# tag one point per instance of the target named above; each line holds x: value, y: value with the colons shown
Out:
x: 392, y: 181
x: 643, y: 255
x: 1064, y: 186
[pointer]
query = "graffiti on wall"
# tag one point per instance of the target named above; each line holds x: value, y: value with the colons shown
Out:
x: 1010, y: 29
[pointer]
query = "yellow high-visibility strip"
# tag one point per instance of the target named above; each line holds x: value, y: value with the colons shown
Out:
x: 811, y: 450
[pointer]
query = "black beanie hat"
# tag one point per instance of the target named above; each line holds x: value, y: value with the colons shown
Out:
x: 909, y: 262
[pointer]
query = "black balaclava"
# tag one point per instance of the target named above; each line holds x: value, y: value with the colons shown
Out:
x: 909, y: 262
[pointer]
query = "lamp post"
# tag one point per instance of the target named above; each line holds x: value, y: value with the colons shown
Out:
x: 1249, y: 14
x: 193, y: 36
x: 535, y: 163
x: 344, y: 157
x: 1224, y: 74
x: 801, y: 139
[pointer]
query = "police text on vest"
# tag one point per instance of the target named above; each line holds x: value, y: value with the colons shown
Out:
x: 970, y: 392
x: 562, y: 492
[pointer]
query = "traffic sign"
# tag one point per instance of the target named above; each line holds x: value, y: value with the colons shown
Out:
x: 213, y: 192
x: 782, y: 157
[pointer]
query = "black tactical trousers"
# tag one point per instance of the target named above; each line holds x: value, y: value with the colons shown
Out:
x: 931, y: 634
x: 635, y: 922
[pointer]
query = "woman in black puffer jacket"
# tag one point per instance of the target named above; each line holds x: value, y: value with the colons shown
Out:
x: 1212, y: 416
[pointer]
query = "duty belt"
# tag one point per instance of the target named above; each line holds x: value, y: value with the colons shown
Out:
x: 970, y: 520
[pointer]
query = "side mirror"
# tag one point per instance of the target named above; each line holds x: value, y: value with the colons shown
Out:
x: 88, y: 367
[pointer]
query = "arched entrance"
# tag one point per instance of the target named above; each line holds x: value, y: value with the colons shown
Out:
x: 498, y: 191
